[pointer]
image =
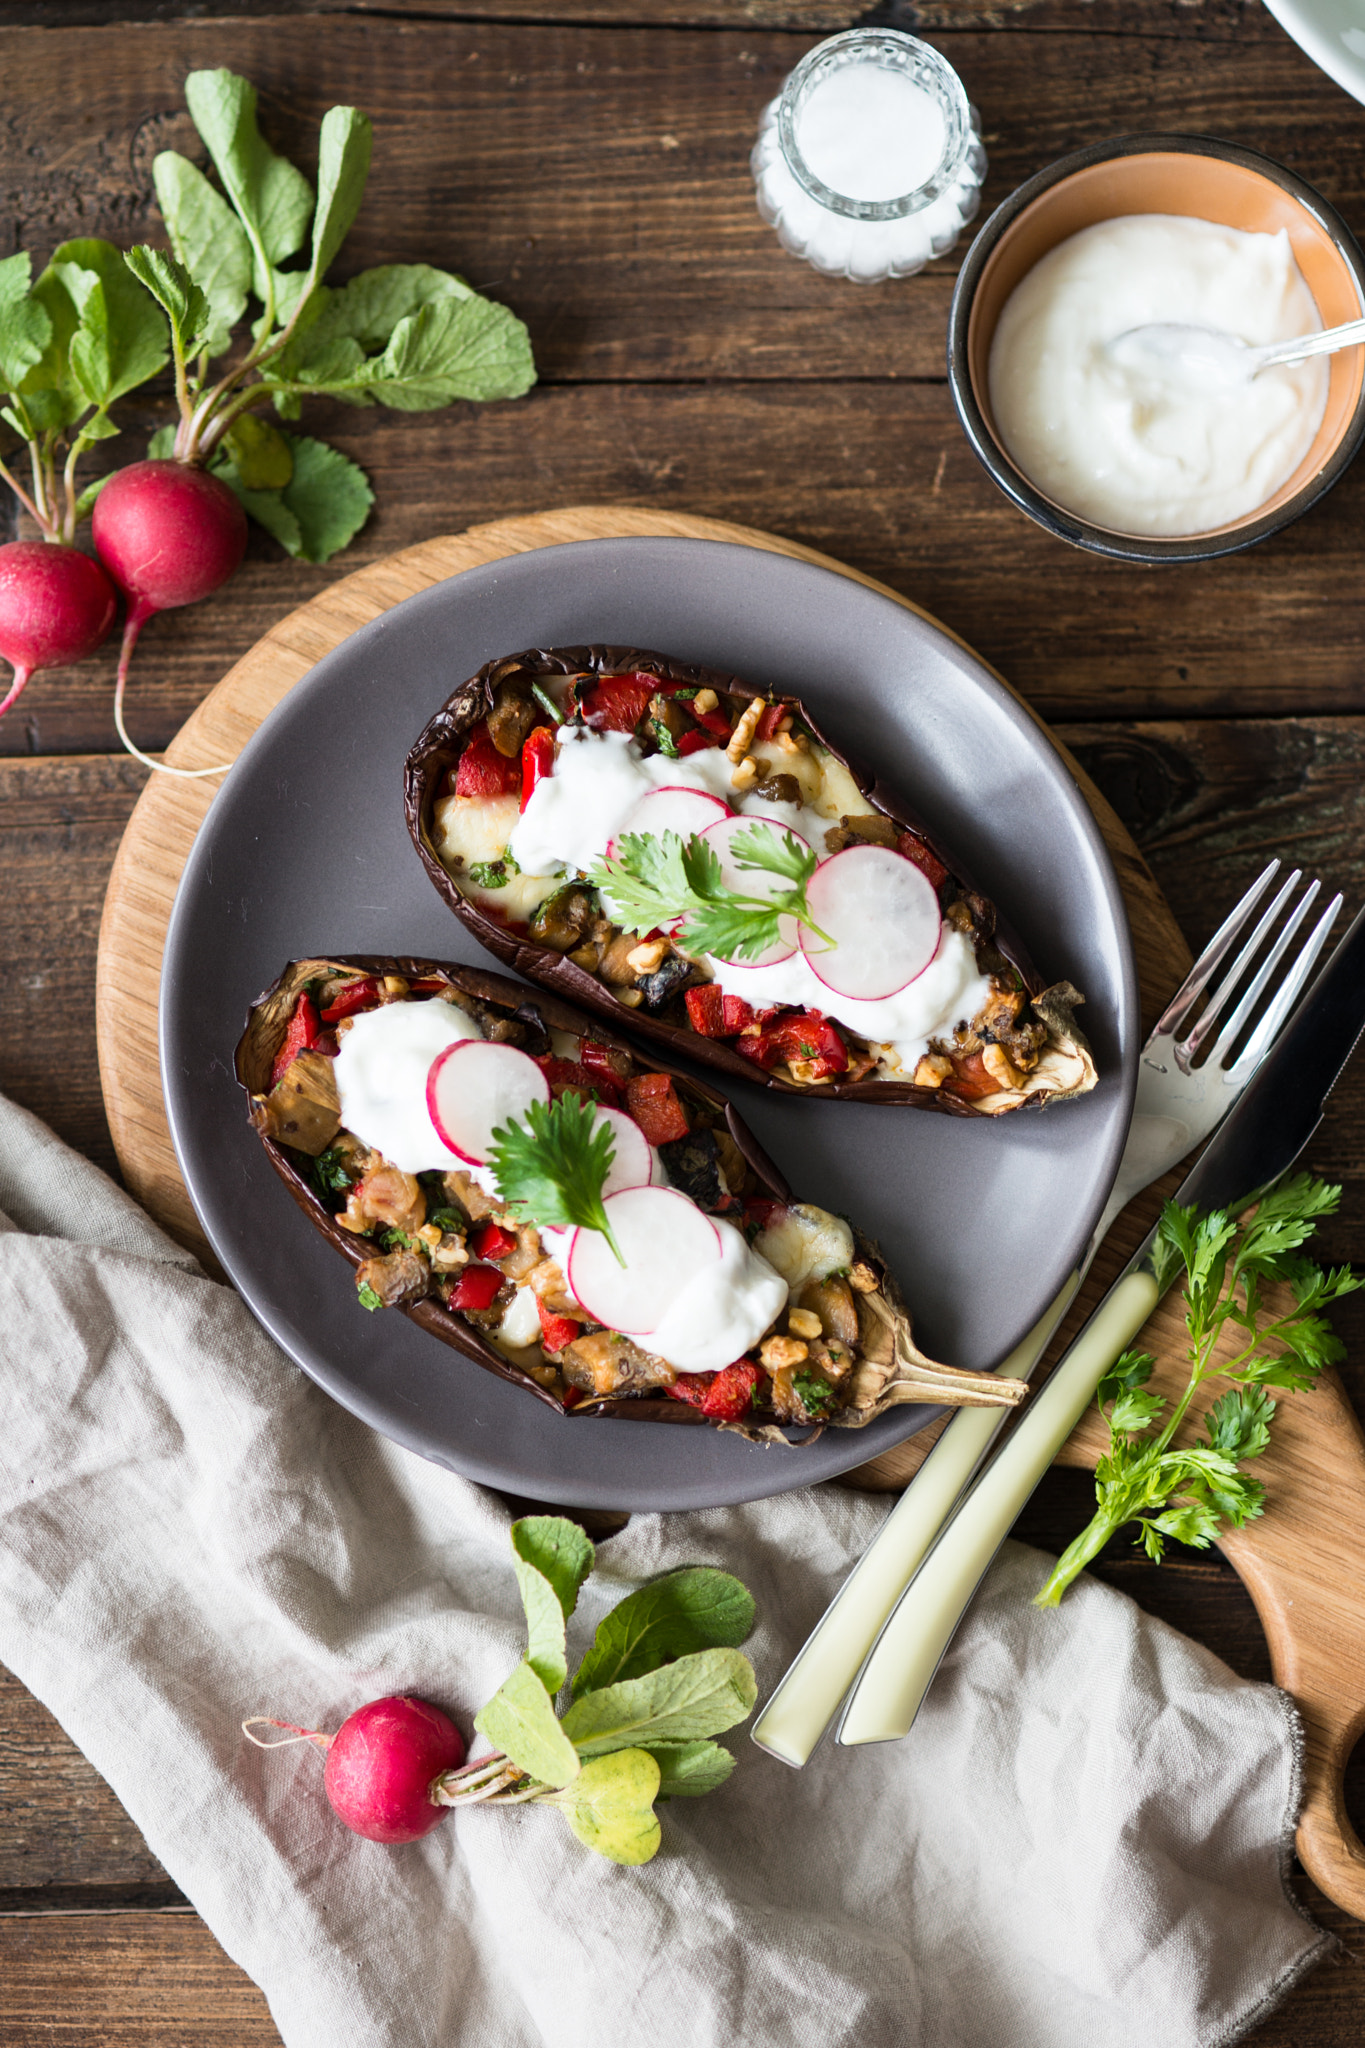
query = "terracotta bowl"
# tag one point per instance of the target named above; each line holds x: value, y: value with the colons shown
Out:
x: 1182, y: 174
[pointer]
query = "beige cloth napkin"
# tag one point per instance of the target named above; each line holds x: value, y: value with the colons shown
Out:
x: 1082, y: 1842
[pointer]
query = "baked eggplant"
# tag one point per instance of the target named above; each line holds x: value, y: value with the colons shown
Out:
x: 829, y: 1338
x: 970, y: 1029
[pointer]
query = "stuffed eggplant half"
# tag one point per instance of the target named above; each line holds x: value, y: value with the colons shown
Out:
x: 590, y: 1224
x: 650, y: 838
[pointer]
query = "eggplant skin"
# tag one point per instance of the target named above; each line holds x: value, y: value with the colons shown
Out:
x: 438, y: 749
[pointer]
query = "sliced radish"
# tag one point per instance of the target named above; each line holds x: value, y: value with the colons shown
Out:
x: 475, y: 1086
x: 665, y: 1240
x: 632, y: 1164
x: 672, y: 808
x: 882, y: 914
x: 754, y: 882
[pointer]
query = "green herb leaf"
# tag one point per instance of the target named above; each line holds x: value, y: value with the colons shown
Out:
x: 367, y: 309
x: 449, y: 349
x: 610, y: 1806
x: 660, y: 879
x: 697, y: 1608
x: 119, y: 339
x: 367, y: 1297
x: 344, y: 147
x: 520, y: 1720
x: 262, y: 456
x: 273, y: 200
x: 552, y: 1558
x: 176, y: 292
x: 209, y: 240
x: 698, y: 1696
x: 551, y: 1167
x: 25, y: 324
x: 687, y: 1769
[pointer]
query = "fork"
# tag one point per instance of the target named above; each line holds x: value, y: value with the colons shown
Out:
x: 1178, y: 1104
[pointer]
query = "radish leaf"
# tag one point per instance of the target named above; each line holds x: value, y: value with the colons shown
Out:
x: 209, y: 240
x: 25, y: 326
x: 610, y: 1806
x: 552, y: 1557
x: 688, y: 1769
x: 520, y: 1721
x: 273, y: 200
x: 694, y: 1609
x: 343, y: 166
x: 695, y: 1697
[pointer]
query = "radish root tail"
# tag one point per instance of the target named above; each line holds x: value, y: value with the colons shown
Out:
x: 136, y: 621
x: 296, y: 1733
x: 21, y: 676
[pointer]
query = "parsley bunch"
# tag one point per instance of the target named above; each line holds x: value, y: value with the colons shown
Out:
x: 666, y: 879
x: 552, y: 1166
x: 1191, y: 1491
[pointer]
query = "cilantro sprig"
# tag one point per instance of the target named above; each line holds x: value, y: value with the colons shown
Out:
x: 552, y: 1166
x: 661, y: 879
x: 1191, y: 1491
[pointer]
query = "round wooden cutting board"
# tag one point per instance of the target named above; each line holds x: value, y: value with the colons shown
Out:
x: 1304, y: 1563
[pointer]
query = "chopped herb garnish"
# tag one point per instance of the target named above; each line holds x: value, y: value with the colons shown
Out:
x: 494, y: 874
x: 817, y: 1395
x: 663, y: 738
x: 446, y: 1219
x: 332, y: 1172
x: 546, y: 702
x: 367, y: 1297
x: 660, y: 880
x: 551, y: 1167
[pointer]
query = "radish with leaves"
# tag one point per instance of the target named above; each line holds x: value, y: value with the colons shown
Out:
x: 662, y: 1677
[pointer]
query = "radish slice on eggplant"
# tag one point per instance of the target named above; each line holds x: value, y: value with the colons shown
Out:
x: 721, y: 837
x: 664, y: 1240
x: 476, y: 1086
x: 632, y: 1164
x: 883, y: 917
x: 673, y: 808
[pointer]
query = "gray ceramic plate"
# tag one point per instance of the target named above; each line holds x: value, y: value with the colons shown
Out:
x: 305, y: 851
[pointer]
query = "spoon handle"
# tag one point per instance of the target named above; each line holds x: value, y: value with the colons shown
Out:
x: 1324, y: 344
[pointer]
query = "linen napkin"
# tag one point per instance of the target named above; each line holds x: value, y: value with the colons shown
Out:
x: 1083, y: 1841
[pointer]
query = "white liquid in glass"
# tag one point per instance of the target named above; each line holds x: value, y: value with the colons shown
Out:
x: 871, y: 134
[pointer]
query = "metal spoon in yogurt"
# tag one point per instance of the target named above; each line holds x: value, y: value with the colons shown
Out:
x: 1212, y: 354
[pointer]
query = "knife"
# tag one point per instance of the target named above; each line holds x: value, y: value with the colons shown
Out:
x: 1275, y: 1119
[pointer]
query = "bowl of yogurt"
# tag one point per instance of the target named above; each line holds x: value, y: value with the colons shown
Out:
x: 1111, y: 446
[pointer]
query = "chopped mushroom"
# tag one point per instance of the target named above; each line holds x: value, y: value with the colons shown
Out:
x: 397, y: 1277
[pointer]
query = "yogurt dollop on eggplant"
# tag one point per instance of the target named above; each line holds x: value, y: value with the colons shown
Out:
x: 382, y: 1063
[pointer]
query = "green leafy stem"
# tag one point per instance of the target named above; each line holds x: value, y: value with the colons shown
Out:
x: 666, y: 880
x: 1192, y: 1491
x: 663, y: 1675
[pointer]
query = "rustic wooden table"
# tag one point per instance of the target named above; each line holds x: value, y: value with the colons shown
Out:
x: 586, y: 160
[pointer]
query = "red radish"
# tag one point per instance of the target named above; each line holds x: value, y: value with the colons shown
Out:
x: 56, y: 605
x: 754, y: 882
x: 881, y: 912
x: 476, y: 1085
x: 665, y: 1241
x: 632, y: 1162
x: 672, y: 808
x: 168, y: 534
x: 381, y: 1765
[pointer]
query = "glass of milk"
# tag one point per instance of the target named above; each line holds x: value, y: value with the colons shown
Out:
x: 869, y: 162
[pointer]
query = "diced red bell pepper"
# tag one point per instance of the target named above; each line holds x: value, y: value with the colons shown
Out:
x: 493, y: 1242
x: 556, y: 1331
x: 537, y: 760
x: 618, y: 703
x: 759, y: 1212
x: 564, y: 1075
x: 802, y: 1035
x: 731, y: 1393
x: 768, y: 721
x: 429, y: 987
x: 716, y: 721
x: 925, y: 859
x: 603, y: 1064
x: 476, y: 1287
x: 572, y: 1396
x: 653, y: 1102
x: 692, y: 1387
x: 482, y: 770
x: 302, y: 1032
x: 713, y: 1014
x: 350, y: 1000
x: 693, y: 742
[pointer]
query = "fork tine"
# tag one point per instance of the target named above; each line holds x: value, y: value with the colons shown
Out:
x: 1227, y: 987
x: 1200, y: 974
x: 1227, y: 1037
x: 1263, y: 1036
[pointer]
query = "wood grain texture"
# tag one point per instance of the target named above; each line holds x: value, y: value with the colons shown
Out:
x: 147, y: 870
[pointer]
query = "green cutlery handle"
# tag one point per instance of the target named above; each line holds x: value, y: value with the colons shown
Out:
x: 902, y: 1665
x: 808, y: 1697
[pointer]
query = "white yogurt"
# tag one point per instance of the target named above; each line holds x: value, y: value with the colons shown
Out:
x: 1135, y: 445
x: 381, y: 1070
x: 721, y: 1310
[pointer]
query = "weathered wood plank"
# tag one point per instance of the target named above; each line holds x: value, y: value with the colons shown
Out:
x: 879, y: 476
x: 636, y: 250
x: 125, y: 1980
